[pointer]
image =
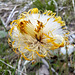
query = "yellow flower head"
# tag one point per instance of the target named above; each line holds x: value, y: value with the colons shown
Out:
x: 34, y: 34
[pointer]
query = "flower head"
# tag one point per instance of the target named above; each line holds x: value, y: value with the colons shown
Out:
x: 34, y: 34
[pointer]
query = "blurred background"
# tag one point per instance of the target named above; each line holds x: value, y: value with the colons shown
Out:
x: 9, y: 11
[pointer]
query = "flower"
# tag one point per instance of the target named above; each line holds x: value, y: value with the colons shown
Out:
x: 35, y: 34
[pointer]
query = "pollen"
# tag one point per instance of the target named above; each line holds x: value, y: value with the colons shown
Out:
x: 22, y: 25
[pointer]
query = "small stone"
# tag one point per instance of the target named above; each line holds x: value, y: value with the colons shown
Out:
x: 42, y: 71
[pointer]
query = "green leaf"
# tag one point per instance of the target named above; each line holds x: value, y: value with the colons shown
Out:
x: 3, y: 34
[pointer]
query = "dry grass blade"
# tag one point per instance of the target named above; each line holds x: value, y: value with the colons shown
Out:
x: 11, y: 66
x: 26, y: 7
x: 73, y: 5
x: 56, y: 6
x: 11, y: 15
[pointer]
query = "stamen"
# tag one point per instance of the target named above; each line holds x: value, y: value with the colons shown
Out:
x: 11, y: 30
x: 34, y: 10
x: 41, y: 55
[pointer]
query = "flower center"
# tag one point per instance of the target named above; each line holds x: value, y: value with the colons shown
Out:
x: 39, y: 31
x: 38, y: 39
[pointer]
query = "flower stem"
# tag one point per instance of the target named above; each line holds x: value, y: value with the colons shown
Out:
x: 49, y: 67
x: 66, y: 61
x: 74, y: 60
x: 59, y: 62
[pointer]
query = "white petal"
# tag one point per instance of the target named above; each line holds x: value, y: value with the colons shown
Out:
x: 70, y: 49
